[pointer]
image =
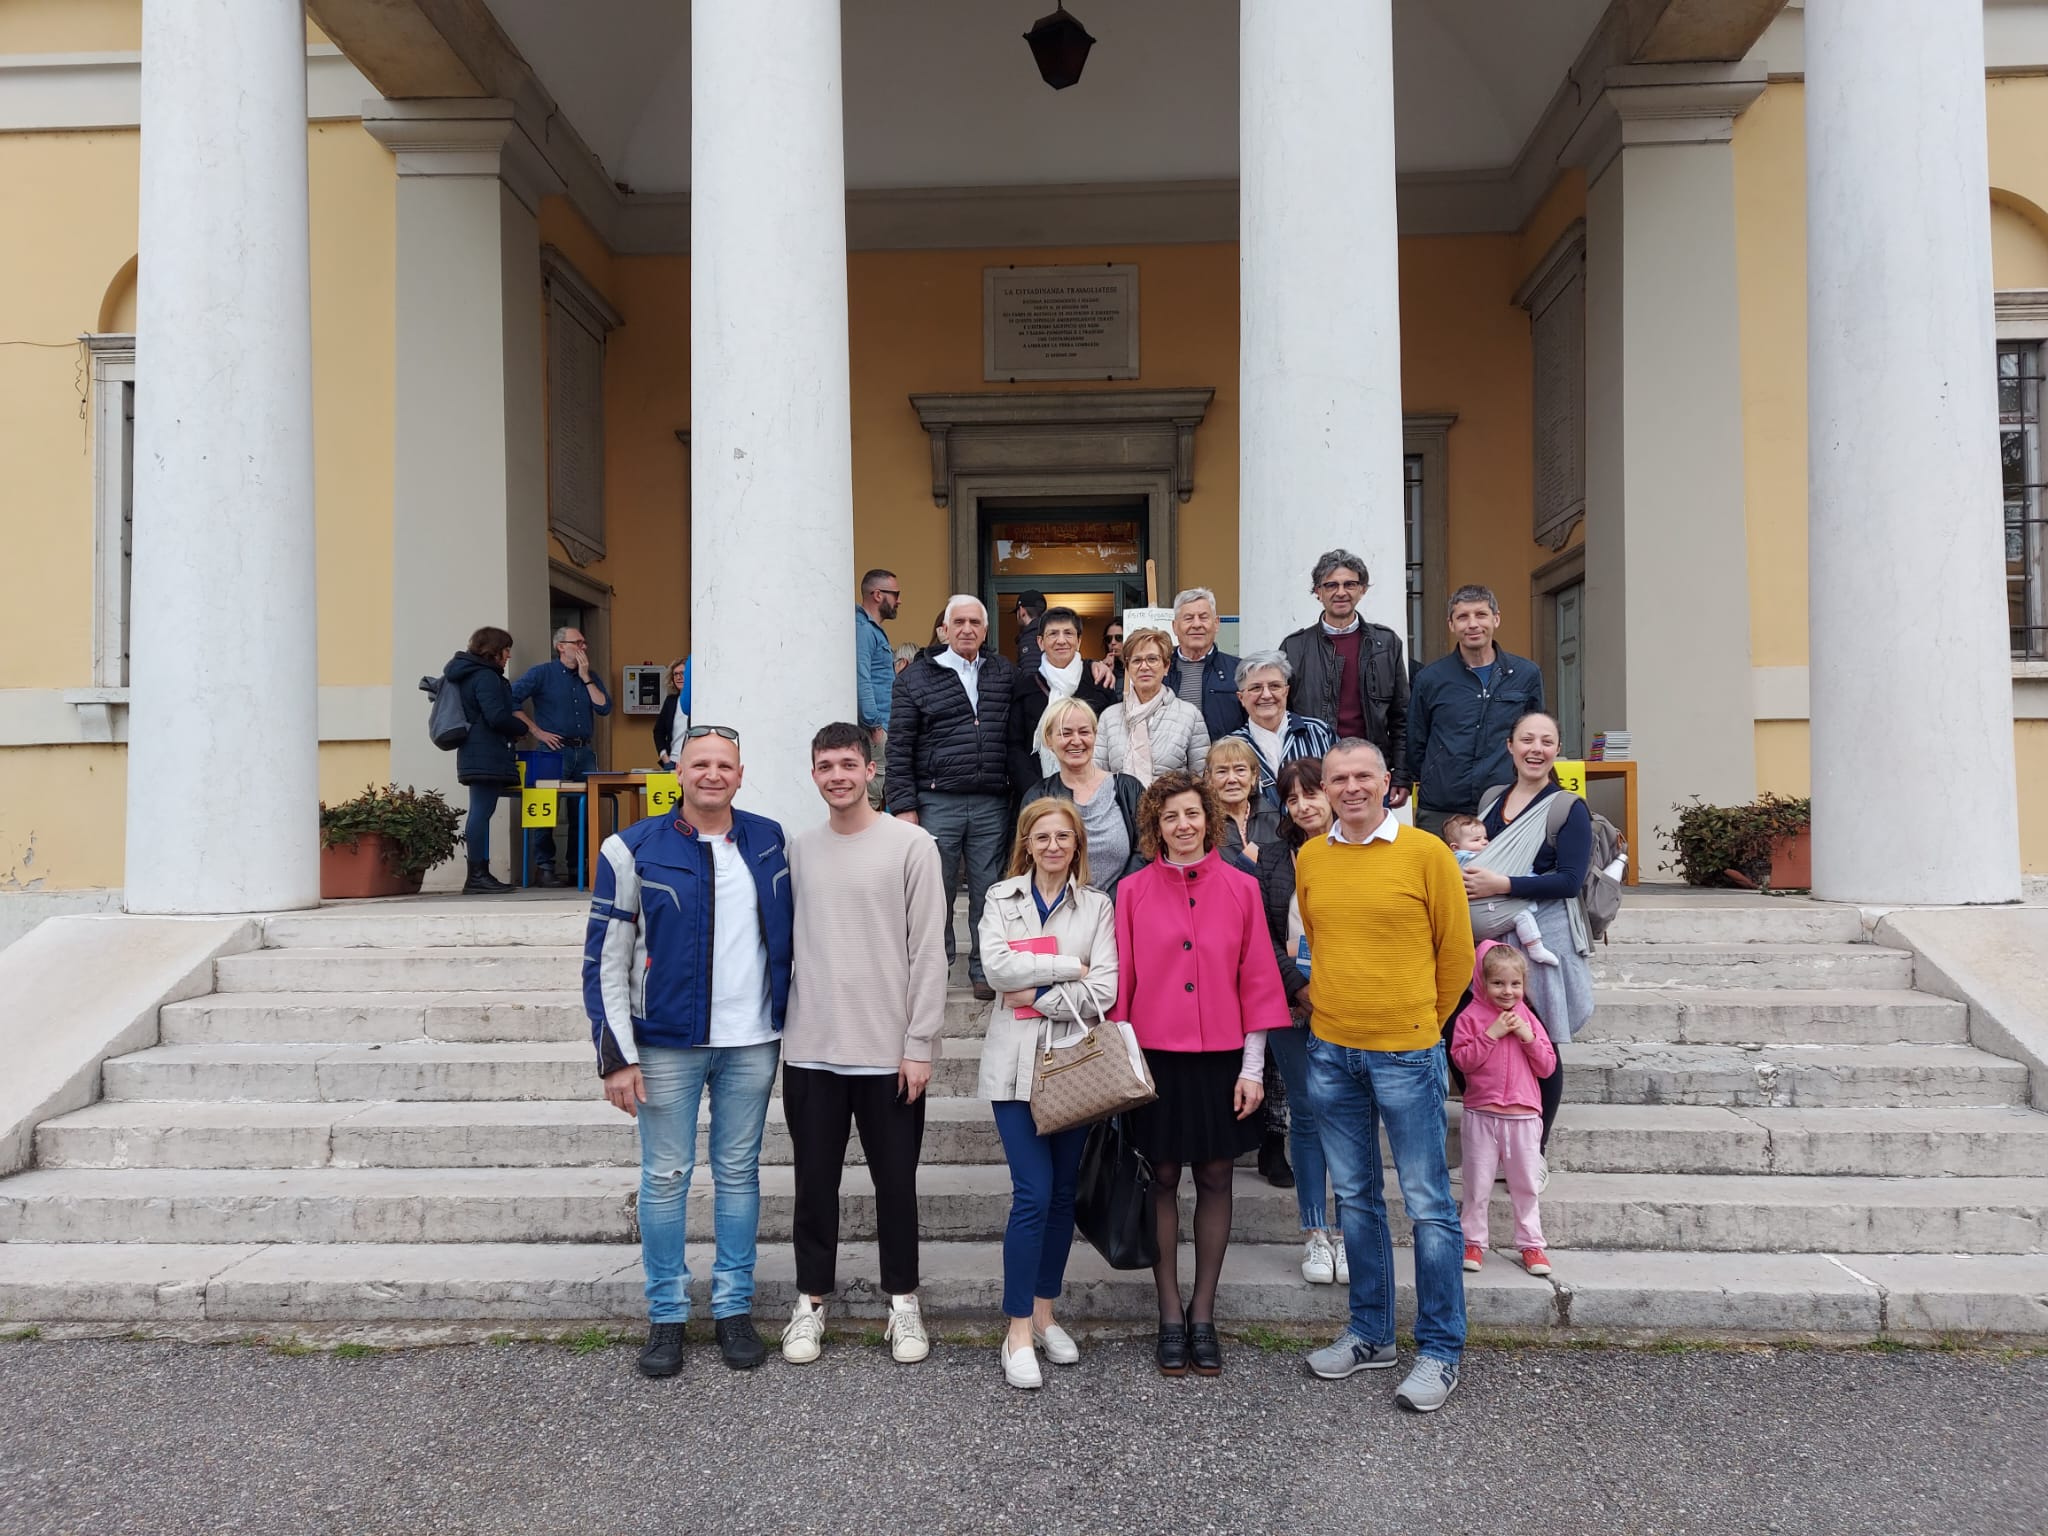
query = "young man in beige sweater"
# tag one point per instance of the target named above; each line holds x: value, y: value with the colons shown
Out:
x: 867, y: 1002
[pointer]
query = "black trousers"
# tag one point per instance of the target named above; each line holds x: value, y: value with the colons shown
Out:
x: 821, y: 1109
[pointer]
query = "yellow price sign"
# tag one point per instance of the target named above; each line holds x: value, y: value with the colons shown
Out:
x: 1571, y: 775
x: 537, y: 807
x: 522, y: 773
x: 663, y: 791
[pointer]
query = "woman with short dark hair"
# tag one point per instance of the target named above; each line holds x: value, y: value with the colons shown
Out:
x: 484, y: 761
x: 1199, y: 987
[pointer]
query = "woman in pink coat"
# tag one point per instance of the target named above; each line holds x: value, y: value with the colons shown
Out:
x: 1198, y: 984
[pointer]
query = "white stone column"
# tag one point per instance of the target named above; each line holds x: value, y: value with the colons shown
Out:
x: 469, y: 505
x: 223, y: 743
x: 1667, y: 573
x: 771, y: 458
x: 1911, y: 674
x: 1319, y: 355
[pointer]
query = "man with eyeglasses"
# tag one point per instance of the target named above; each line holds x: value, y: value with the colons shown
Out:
x: 1349, y: 673
x: 875, y: 662
x: 686, y: 978
x: 559, y: 701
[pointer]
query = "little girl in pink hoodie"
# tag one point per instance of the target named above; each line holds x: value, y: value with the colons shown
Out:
x: 1499, y: 1044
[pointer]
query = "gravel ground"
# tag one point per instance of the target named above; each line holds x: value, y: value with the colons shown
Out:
x: 115, y: 1436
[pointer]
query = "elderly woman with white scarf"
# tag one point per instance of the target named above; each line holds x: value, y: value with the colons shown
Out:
x: 1154, y: 730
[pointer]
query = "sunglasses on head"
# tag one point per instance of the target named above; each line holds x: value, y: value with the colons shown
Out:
x: 726, y: 731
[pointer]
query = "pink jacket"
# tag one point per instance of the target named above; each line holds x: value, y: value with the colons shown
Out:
x: 1499, y: 1074
x: 1195, y: 961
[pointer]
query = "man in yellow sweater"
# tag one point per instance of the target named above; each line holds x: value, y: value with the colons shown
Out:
x: 1390, y: 943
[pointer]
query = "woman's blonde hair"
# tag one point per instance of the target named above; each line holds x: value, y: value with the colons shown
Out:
x: 1028, y: 819
x: 1055, y: 715
x: 1143, y: 637
x: 1233, y: 749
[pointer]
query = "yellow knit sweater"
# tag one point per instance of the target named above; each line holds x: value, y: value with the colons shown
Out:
x: 1389, y: 938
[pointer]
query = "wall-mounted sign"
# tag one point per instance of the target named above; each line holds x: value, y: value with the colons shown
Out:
x: 1059, y: 322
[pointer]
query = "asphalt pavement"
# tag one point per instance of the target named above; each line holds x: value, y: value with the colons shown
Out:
x: 110, y: 1437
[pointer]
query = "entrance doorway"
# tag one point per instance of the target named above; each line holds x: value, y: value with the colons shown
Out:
x: 1087, y: 558
x: 1558, y: 600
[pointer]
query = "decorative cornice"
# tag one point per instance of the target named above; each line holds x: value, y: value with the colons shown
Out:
x: 1168, y: 415
x: 1662, y: 104
x: 474, y: 137
x: 2022, y: 313
x: 70, y: 92
x: 1565, y: 260
x: 557, y: 270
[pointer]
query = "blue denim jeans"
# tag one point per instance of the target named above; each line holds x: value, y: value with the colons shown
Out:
x: 1289, y: 1048
x: 1354, y: 1092
x: 476, y: 833
x: 1044, y: 1171
x: 576, y: 762
x: 740, y: 1078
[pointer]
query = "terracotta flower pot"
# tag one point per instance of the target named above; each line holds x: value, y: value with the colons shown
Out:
x: 1792, y: 862
x: 366, y: 867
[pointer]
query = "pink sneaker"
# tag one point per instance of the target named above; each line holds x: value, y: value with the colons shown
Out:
x: 1533, y: 1260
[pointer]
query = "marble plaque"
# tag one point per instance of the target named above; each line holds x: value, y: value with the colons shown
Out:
x: 1059, y: 322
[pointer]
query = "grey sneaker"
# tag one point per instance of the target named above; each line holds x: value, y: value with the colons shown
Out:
x: 1428, y: 1386
x: 1348, y: 1356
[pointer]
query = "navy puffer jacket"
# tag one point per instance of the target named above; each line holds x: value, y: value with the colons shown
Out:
x: 939, y: 742
x: 485, y: 756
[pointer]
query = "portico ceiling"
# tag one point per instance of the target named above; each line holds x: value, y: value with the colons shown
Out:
x: 942, y: 93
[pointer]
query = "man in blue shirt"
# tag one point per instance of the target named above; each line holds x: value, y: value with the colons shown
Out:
x: 559, y: 700
x: 875, y: 664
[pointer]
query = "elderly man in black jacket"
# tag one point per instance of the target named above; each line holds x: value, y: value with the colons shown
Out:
x: 949, y: 764
x: 1349, y: 673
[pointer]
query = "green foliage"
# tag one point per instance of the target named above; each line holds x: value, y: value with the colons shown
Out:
x: 591, y: 1340
x: 348, y: 1349
x: 421, y: 825
x: 1711, y: 840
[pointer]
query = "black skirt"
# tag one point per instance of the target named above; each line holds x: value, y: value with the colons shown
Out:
x: 1192, y: 1120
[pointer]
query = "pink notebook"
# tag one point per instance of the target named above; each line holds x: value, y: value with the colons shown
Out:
x: 1044, y: 944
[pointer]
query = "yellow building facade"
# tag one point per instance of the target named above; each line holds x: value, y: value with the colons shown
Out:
x: 1480, y: 392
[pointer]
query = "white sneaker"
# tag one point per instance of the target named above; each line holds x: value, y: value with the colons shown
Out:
x: 1542, y: 1173
x: 805, y: 1336
x: 1318, y: 1263
x: 905, y: 1332
x: 1020, y: 1367
x: 1343, y: 1260
x: 1058, y: 1344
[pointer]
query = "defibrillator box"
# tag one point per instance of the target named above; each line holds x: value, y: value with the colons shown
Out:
x: 642, y: 690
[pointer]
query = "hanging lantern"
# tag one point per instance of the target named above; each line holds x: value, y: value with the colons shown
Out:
x: 1059, y: 45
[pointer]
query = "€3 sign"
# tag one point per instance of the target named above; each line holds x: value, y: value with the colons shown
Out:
x: 1571, y: 775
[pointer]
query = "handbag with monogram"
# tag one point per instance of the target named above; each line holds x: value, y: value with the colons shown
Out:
x: 1081, y: 1081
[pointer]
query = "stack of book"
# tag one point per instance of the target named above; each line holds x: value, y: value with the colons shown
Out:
x: 1612, y: 747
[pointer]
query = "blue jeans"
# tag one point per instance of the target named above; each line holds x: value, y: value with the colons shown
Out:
x: 1044, y: 1171
x: 476, y: 834
x: 974, y: 831
x: 576, y: 762
x: 740, y: 1079
x: 1289, y: 1048
x: 1354, y: 1092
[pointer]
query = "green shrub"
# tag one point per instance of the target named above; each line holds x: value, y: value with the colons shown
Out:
x: 421, y: 825
x: 1710, y: 841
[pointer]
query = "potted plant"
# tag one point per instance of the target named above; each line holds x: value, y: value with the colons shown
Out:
x: 383, y: 841
x: 1765, y: 845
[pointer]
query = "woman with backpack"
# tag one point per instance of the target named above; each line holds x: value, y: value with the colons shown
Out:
x: 484, y: 761
x: 1562, y: 994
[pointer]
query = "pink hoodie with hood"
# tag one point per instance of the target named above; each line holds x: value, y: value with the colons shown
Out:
x: 1500, y: 1075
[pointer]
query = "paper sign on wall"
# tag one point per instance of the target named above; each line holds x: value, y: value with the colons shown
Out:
x: 1136, y: 619
x: 663, y: 791
x: 1571, y: 775
x: 537, y: 807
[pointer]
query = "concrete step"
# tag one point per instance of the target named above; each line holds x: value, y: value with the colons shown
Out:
x: 429, y: 1134
x: 475, y: 968
x: 1590, y: 1138
x: 1873, y: 1076
x: 1730, y: 1016
x: 1682, y: 1212
x: 1752, y: 966
x: 1658, y: 919
x: 525, y: 1285
x: 431, y: 924
x: 408, y: 1070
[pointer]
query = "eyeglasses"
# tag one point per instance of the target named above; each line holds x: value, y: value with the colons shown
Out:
x: 726, y: 731
x: 1265, y: 687
x: 1343, y: 586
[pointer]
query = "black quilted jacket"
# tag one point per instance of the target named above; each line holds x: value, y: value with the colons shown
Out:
x: 937, y: 741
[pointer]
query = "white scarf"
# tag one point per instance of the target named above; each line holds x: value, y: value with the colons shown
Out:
x: 1138, y: 731
x: 1060, y: 683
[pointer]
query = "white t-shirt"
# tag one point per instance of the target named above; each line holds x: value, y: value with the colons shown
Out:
x: 740, y: 1011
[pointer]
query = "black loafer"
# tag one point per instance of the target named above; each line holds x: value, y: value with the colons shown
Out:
x: 1206, y: 1348
x: 1273, y: 1163
x: 663, y: 1355
x: 738, y: 1344
x: 1173, y: 1349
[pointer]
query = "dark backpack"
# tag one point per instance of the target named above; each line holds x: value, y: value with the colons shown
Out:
x: 1600, y: 896
x: 447, y: 725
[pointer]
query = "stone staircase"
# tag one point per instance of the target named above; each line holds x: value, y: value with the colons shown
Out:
x: 389, y: 1115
